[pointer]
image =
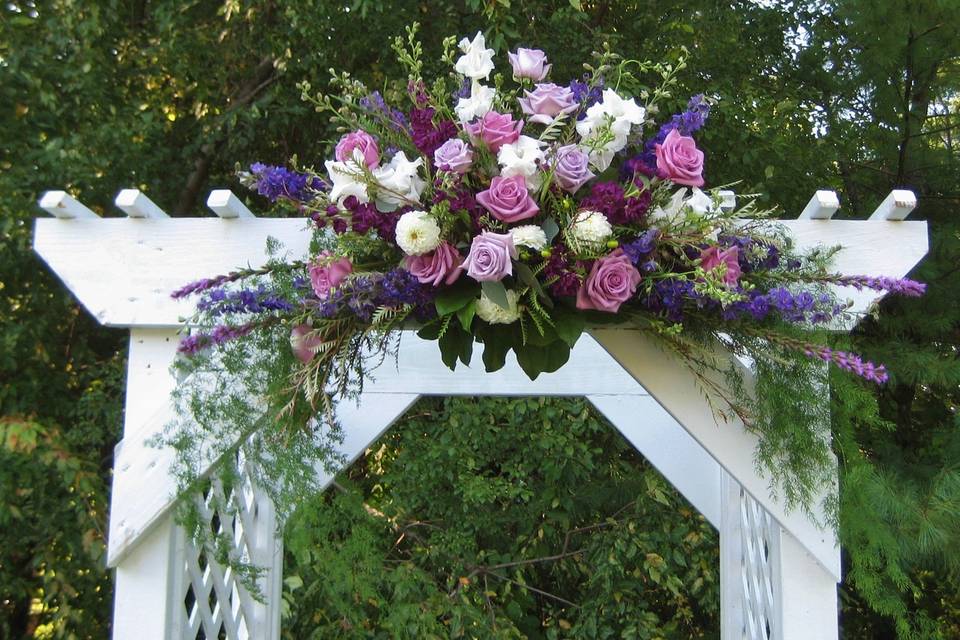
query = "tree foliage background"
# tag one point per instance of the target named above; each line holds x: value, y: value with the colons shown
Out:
x: 860, y: 96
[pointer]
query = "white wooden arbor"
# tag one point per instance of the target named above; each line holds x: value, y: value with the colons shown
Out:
x: 778, y: 570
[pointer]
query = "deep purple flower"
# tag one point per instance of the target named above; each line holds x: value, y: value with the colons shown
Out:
x: 426, y: 135
x: 642, y: 246
x: 279, y: 182
x: 377, y: 106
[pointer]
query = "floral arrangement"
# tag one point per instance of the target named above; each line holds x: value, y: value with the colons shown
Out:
x: 514, y: 215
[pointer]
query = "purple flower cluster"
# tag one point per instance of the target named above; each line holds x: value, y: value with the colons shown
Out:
x: 199, y: 286
x: 790, y: 307
x: 363, y: 216
x: 364, y: 295
x: 426, y: 135
x: 849, y: 362
x: 901, y: 286
x: 279, y: 182
x: 221, y: 334
x: 461, y: 199
x: 377, y: 106
x: 642, y: 246
x: 585, y: 95
x: 748, y: 257
x: 608, y: 199
x: 260, y: 300
x: 558, y: 267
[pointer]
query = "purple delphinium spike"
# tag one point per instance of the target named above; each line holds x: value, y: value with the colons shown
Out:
x: 900, y: 286
x: 220, y: 334
x: 279, y: 182
x: 849, y: 362
x: 260, y: 300
x: 199, y: 286
x: 641, y: 246
x: 377, y: 106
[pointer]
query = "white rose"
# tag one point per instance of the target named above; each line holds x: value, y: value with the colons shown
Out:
x: 476, y: 61
x: 671, y: 212
x: 417, y: 233
x: 492, y: 313
x: 590, y: 229
x: 612, y: 114
x: 477, y: 105
x: 529, y: 235
x: 400, y: 181
x: 345, y: 179
x: 522, y: 158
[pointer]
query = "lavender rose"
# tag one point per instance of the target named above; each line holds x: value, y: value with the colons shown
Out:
x: 440, y: 266
x: 713, y: 257
x: 572, y: 168
x: 679, y: 160
x: 359, y: 146
x: 303, y: 343
x: 495, y: 130
x: 490, y: 255
x: 547, y: 101
x: 454, y: 155
x: 529, y: 63
x: 612, y: 281
x: 508, y: 200
x: 327, y: 273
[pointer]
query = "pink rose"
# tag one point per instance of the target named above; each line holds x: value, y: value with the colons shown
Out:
x: 442, y: 265
x: 490, y: 255
x: 713, y: 257
x: 547, y: 101
x: 679, y: 160
x: 529, y: 63
x: 612, y: 281
x: 508, y: 199
x: 453, y: 155
x: 327, y: 273
x: 304, y: 342
x: 495, y: 130
x: 572, y: 168
x: 359, y: 146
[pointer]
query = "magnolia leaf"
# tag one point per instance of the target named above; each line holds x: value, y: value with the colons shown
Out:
x: 535, y: 360
x: 456, y: 297
x: 431, y: 330
x: 550, y: 229
x: 569, y: 325
x: 465, y: 315
x: 497, y: 293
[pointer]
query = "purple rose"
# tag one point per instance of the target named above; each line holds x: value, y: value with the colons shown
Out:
x: 454, y: 155
x: 495, y: 130
x: 612, y: 281
x: 713, y: 257
x: 442, y: 265
x: 490, y: 255
x: 304, y: 344
x: 529, y: 63
x: 508, y: 199
x: 679, y: 160
x: 360, y: 146
x: 327, y: 273
x: 572, y: 168
x: 547, y: 101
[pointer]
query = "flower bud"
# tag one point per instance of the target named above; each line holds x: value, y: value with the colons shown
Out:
x: 612, y: 244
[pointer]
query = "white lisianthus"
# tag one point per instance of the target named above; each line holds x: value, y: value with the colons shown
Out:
x: 492, y: 313
x: 529, y: 235
x: 523, y: 158
x: 477, y: 105
x: 400, y: 181
x: 417, y: 233
x: 346, y: 179
x: 674, y: 212
x: 476, y: 61
x: 612, y: 115
x: 591, y: 229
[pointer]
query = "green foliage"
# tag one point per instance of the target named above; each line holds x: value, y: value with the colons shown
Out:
x: 496, y: 518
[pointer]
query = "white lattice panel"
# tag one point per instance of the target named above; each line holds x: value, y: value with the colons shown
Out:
x: 757, y: 570
x: 212, y: 601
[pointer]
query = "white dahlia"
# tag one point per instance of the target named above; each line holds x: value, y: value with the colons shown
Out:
x: 529, y: 235
x: 417, y: 233
x: 492, y: 313
x: 591, y: 229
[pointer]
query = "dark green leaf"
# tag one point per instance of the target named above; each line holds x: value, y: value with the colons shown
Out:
x: 456, y: 297
x: 496, y: 292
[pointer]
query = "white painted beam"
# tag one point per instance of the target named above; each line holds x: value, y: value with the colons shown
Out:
x: 63, y: 206
x: 822, y: 206
x: 136, y: 204
x: 677, y: 389
x: 124, y: 273
x: 896, y: 206
x: 226, y: 204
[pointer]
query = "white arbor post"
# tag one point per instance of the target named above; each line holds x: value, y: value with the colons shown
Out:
x: 778, y: 569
